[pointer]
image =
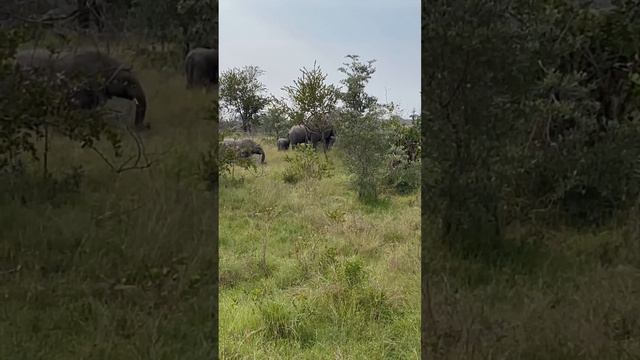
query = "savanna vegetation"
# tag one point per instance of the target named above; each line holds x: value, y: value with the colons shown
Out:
x: 107, y: 246
x: 319, y: 248
x: 530, y: 179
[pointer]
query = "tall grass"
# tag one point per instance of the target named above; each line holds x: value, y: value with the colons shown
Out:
x: 557, y: 294
x: 121, y: 267
x: 341, y: 278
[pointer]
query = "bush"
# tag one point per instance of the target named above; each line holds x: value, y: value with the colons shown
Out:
x: 402, y: 175
x: 283, y: 321
x: 364, y: 142
x: 306, y: 163
x: 581, y: 171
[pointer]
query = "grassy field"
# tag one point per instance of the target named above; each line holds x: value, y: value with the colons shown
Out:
x: 308, y: 272
x: 560, y: 295
x: 121, y: 268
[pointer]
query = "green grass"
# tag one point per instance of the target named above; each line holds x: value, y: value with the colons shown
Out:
x: 122, y: 268
x: 576, y: 296
x: 338, y: 279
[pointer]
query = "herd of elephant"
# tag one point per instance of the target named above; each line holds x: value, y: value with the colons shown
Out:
x: 298, y: 134
x: 106, y: 77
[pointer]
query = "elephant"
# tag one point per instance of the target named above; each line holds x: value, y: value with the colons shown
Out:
x: 104, y: 77
x: 299, y: 134
x: 201, y: 68
x: 245, y: 148
x: 283, y: 144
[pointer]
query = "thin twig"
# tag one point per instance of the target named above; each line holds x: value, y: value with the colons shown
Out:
x: 140, y: 155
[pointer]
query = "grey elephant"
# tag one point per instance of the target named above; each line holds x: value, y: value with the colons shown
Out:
x: 283, y: 144
x: 104, y: 77
x: 300, y: 134
x: 201, y: 68
x: 245, y: 148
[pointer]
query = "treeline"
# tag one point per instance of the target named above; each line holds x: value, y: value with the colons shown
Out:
x: 177, y: 25
x: 375, y: 145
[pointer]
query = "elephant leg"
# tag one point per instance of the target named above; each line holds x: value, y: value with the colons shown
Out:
x: 198, y: 77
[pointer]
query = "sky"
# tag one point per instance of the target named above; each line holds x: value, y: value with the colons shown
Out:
x: 282, y: 36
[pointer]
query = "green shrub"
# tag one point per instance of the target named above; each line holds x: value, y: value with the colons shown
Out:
x: 305, y: 163
x: 283, y: 321
x: 364, y: 142
x: 402, y: 175
x: 353, y: 272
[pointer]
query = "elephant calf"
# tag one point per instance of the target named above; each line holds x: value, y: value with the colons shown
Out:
x: 283, y: 144
x: 245, y: 148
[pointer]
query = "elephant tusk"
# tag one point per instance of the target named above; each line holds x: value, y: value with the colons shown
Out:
x: 135, y: 101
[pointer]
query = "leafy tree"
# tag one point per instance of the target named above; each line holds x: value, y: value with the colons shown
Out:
x: 365, y: 136
x: 581, y: 147
x: 529, y: 109
x: 242, y: 92
x: 198, y: 21
x: 478, y: 71
x: 275, y: 120
x: 311, y: 101
x: 357, y: 76
x: 364, y: 144
x: 187, y: 22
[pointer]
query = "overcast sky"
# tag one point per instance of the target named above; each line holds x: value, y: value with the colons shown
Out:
x: 282, y: 36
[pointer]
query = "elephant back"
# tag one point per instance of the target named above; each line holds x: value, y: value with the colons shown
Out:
x: 204, y: 53
x: 37, y: 58
x: 93, y: 63
x: 228, y: 142
x: 247, y: 143
x: 298, y: 129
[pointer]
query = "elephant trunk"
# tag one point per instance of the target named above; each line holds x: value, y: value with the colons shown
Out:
x: 127, y: 86
x: 188, y: 69
x: 261, y: 152
x: 141, y: 107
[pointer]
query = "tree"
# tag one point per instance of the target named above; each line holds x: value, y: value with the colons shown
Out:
x: 582, y: 147
x: 477, y: 73
x: 357, y: 77
x: 198, y: 20
x: 312, y: 102
x: 364, y: 135
x: 275, y: 120
x: 188, y: 22
x: 242, y: 92
x: 529, y: 108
